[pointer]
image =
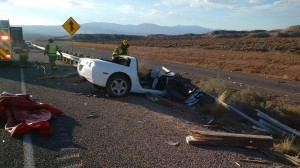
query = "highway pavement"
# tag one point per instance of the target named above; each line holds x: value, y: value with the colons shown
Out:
x: 99, y: 131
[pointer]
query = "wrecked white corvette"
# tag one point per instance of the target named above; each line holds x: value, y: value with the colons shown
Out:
x: 120, y: 76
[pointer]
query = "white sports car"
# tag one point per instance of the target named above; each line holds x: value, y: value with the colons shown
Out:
x: 120, y: 76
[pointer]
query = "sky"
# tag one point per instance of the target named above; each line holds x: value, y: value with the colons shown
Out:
x: 214, y: 14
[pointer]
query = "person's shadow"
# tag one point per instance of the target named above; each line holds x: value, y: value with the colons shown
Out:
x: 62, y: 137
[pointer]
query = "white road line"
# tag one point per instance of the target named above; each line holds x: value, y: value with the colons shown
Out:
x: 27, y: 139
x: 68, y: 157
x: 67, y: 149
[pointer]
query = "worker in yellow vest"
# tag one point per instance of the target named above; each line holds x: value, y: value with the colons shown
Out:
x: 51, y: 50
x: 121, y: 49
x: 23, y: 53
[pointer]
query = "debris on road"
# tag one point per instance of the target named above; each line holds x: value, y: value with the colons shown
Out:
x: 92, y: 115
x: 23, y: 114
x: 229, y: 139
x: 173, y: 143
x: 255, y: 160
x: 57, y: 76
x: 236, y: 163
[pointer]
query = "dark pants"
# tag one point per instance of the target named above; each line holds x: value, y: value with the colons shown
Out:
x: 23, y: 60
x: 52, y: 60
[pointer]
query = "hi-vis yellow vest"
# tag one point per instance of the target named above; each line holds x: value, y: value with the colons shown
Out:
x: 52, y: 49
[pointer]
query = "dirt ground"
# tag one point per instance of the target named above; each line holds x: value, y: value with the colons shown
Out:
x: 276, y: 57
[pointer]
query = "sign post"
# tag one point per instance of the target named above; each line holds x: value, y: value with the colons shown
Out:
x: 71, y: 26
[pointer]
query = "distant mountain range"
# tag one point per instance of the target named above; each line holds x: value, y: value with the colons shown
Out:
x: 36, y: 31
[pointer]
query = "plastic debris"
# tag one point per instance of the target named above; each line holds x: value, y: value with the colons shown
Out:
x: 172, y: 143
x: 23, y: 114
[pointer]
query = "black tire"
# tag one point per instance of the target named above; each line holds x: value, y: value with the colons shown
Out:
x: 10, y: 63
x: 6, y: 63
x: 118, y: 86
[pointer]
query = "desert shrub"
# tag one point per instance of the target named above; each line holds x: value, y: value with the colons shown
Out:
x: 289, y: 114
x: 288, y: 146
x: 214, y: 86
x: 246, y: 96
x: 259, y: 35
x: 295, y: 28
x: 244, y: 100
x: 233, y: 96
x: 295, y: 34
x: 281, y: 34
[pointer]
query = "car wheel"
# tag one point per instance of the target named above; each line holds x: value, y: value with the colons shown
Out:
x: 118, y: 86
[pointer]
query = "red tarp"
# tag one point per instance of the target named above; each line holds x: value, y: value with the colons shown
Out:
x: 23, y: 114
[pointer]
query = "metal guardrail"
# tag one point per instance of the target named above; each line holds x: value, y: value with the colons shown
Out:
x: 65, y: 57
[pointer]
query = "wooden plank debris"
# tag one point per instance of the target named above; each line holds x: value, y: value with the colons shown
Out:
x: 255, y: 160
x: 229, y: 139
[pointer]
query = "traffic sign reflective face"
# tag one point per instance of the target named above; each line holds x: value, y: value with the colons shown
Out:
x: 71, y: 26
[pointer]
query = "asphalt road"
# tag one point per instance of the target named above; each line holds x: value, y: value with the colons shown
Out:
x: 98, y: 131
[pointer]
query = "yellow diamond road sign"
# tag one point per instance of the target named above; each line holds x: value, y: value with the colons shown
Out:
x: 71, y: 26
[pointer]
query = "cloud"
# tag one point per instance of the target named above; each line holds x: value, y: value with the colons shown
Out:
x: 279, y: 6
x: 49, y: 4
x: 256, y: 1
x: 230, y: 4
x: 203, y: 3
x: 150, y: 14
x: 153, y: 14
x: 126, y: 9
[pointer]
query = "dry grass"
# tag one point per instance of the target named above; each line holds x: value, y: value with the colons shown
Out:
x: 287, y: 146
